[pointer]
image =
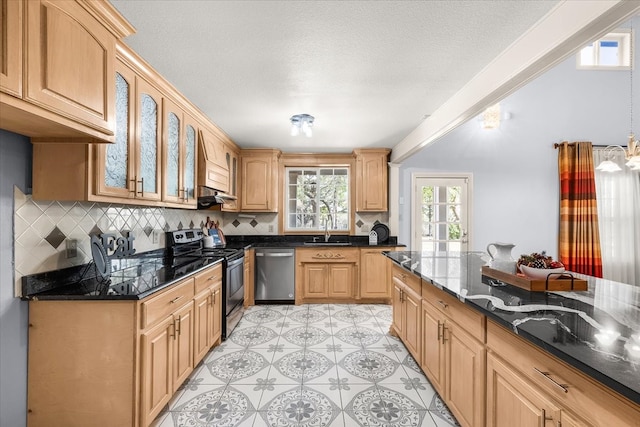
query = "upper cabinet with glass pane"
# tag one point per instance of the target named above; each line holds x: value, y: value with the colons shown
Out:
x: 178, y: 164
x: 372, y: 180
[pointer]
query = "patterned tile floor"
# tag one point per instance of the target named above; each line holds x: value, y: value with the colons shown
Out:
x: 323, y: 365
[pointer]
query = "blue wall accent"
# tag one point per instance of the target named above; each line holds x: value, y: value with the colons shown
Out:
x: 15, y: 170
x: 514, y: 168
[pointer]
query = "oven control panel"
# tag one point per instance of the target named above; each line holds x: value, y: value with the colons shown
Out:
x: 180, y: 237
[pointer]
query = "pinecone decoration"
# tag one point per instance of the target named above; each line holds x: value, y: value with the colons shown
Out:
x: 538, y: 263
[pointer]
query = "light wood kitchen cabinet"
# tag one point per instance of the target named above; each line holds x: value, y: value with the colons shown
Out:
x: 157, y: 361
x: 57, y: 69
x: 208, y: 311
x: 232, y: 159
x: 212, y: 165
x: 114, y: 162
x: 406, y: 310
x: 166, y: 346
x: 249, y: 277
x: 70, y: 63
x: 375, y: 274
x: 580, y: 400
x: 259, y: 180
x: 513, y: 402
x: 145, y: 349
x: 11, y: 47
x: 454, y: 362
x: 327, y: 274
x: 178, y: 155
x: 372, y: 180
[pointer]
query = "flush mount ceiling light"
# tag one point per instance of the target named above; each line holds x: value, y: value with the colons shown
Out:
x: 632, y: 152
x: 302, y: 122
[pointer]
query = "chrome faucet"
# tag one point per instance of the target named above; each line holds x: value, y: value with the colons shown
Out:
x: 326, y: 230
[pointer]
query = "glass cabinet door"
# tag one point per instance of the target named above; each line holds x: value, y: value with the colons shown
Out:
x: 113, y: 161
x: 147, y: 177
x: 172, y: 157
x: 190, y: 163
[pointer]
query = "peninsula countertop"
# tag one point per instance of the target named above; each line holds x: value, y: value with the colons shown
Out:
x: 596, y: 331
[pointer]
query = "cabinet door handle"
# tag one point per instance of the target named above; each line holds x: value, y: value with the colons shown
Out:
x: 135, y: 184
x: 443, y: 304
x: 439, y: 330
x: 547, y: 375
x: 173, y: 333
x: 179, y: 328
x: 544, y: 418
x: 173, y: 301
x: 444, y: 330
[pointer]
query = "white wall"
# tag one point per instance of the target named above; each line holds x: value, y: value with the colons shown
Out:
x: 515, y: 194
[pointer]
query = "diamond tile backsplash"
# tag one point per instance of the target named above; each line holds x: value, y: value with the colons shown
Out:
x: 42, y: 227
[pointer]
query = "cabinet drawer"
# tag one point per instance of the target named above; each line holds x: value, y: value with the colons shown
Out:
x: 208, y: 278
x: 467, y: 318
x: 572, y: 389
x: 159, y: 306
x: 328, y: 255
x: 409, y: 279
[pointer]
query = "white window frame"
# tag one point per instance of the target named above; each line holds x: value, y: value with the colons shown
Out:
x: 624, y: 37
x: 287, y: 228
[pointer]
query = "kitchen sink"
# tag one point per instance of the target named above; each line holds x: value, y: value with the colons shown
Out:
x: 328, y: 243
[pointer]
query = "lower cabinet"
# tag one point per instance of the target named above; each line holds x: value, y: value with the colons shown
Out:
x: 207, y: 311
x: 166, y: 347
x: 326, y: 274
x: 249, y: 277
x: 454, y: 362
x: 406, y: 310
x: 532, y: 387
x: 513, y: 402
x: 375, y: 274
x: 118, y: 363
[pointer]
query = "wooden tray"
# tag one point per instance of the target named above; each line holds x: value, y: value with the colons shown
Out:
x: 566, y: 282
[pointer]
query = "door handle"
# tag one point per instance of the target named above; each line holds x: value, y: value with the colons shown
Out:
x: 547, y: 375
x: 274, y: 255
x: 544, y: 418
x: 439, y: 330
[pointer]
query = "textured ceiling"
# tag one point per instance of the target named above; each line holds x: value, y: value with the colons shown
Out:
x: 369, y: 71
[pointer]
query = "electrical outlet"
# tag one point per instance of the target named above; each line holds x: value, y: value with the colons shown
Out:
x: 155, y: 236
x: 270, y: 228
x: 71, y: 246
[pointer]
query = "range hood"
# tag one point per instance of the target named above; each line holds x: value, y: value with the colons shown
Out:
x: 213, y: 171
x: 208, y: 197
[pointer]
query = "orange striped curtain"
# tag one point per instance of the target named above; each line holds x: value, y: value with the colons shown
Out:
x: 579, y: 239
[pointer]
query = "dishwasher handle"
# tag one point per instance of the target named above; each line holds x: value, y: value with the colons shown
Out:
x: 274, y: 254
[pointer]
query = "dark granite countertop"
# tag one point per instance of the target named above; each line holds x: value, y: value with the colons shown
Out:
x: 132, y: 278
x: 298, y: 241
x: 597, y: 331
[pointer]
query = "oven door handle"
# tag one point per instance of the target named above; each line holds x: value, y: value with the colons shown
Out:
x: 235, y: 262
x: 275, y: 254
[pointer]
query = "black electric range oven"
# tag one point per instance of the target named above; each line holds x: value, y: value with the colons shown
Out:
x: 186, y: 246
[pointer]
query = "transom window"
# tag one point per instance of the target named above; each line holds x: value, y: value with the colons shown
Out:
x: 613, y: 51
x: 317, y: 197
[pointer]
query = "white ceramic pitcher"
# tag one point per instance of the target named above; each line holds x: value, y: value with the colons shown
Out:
x: 501, y: 258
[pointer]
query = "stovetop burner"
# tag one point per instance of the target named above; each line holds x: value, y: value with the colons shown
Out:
x: 189, y: 243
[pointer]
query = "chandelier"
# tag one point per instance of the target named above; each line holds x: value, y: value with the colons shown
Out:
x: 632, y: 152
x: 302, y: 122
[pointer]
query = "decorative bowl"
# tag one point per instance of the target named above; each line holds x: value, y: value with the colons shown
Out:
x: 541, y: 273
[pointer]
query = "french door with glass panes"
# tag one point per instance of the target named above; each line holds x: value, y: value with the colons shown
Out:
x: 440, y: 217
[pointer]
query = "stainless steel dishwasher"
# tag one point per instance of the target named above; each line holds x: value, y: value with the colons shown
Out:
x: 275, y: 275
